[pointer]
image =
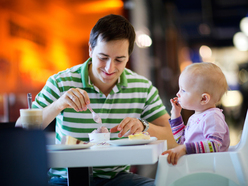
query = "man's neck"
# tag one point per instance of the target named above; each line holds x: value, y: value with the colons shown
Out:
x: 103, y: 87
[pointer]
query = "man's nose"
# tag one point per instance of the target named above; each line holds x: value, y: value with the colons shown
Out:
x: 109, y: 66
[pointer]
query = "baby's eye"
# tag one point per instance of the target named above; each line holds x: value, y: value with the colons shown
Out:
x: 181, y: 90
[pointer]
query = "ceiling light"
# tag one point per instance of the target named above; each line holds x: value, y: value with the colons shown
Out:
x: 205, y: 51
x: 244, y: 25
x: 143, y: 40
x: 232, y: 98
x: 240, y: 41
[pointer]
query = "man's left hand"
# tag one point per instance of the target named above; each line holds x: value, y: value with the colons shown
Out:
x: 128, y: 126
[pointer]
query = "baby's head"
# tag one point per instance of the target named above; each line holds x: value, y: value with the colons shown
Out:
x: 206, y: 78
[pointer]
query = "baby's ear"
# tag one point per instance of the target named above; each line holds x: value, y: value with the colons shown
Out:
x: 205, y: 98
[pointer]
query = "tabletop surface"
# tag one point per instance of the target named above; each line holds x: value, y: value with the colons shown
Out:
x: 108, y: 155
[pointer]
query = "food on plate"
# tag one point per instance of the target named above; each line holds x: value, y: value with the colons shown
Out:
x: 69, y: 140
x: 139, y: 136
x: 101, y: 129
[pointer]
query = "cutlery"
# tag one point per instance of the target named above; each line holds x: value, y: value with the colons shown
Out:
x: 29, y: 97
x: 95, y: 116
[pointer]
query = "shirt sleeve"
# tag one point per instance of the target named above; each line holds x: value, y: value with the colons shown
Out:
x: 213, y: 132
x: 154, y: 107
x: 178, y: 128
x: 49, y: 93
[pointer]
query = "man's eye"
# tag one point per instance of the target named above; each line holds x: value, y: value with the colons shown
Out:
x: 118, y: 60
x: 104, y: 59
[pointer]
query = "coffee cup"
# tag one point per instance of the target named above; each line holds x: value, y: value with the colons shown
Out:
x: 31, y: 118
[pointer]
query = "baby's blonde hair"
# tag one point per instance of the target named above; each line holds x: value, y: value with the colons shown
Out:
x: 208, y: 78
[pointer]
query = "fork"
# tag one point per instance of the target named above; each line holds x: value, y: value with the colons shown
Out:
x: 95, y: 116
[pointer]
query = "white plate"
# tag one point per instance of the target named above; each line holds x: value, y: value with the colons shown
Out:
x: 68, y: 147
x: 131, y: 142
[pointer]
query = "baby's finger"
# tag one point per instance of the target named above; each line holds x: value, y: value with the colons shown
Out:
x: 165, y: 152
x: 173, y: 102
x: 169, y: 157
x: 176, y: 159
x: 172, y: 159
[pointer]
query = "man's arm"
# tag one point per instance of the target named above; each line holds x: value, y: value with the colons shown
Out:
x: 75, y: 98
x: 49, y: 113
x: 161, y: 128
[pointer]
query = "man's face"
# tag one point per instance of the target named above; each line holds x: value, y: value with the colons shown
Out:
x: 109, y: 59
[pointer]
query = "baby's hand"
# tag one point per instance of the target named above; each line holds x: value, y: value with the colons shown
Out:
x: 176, y: 108
x: 175, y: 153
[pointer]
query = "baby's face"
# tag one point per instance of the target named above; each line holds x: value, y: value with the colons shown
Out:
x: 188, y: 95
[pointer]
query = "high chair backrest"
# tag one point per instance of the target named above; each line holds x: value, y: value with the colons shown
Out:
x: 243, y: 144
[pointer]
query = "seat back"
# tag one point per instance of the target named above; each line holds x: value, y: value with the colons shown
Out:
x: 243, y: 144
x: 23, y: 159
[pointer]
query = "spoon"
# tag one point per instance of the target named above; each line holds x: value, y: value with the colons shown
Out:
x: 29, y: 97
x: 95, y: 116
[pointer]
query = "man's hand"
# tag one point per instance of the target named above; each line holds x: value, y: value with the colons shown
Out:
x: 176, y: 108
x: 175, y: 153
x: 128, y: 126
x: 75, y: 98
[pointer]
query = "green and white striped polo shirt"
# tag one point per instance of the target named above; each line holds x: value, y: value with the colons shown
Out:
x: 133, y: 96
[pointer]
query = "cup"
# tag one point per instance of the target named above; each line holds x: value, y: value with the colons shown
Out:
x: 31, y: 118
x: 99, y: 137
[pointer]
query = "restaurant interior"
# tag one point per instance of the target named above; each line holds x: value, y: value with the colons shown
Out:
x: 39, y: 38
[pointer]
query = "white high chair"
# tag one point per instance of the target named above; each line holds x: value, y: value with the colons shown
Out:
x: 222, y: 168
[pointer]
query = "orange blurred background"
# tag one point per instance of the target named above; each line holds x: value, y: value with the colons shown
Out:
x: 40, y: 38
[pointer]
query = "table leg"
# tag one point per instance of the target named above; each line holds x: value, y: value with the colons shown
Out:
x: 78, y: 176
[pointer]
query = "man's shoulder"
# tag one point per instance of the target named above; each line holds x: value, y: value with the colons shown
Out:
x: 74, y: 71
x: 133, y: 76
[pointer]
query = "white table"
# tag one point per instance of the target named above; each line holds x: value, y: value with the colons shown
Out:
x: 106, y: 156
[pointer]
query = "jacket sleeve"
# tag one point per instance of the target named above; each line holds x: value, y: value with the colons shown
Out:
x: 202, y: 147
x: 178, y: 128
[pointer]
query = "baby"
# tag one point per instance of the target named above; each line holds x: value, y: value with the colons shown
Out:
x: 201, y: 86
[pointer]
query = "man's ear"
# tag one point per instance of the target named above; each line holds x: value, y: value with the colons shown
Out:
x: 90, y: 50
x: 205, y: 98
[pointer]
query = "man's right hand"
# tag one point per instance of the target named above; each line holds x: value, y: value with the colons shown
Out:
x: 75, y: 98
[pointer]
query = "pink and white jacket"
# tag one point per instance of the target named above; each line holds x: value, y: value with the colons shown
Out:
x: 204, y: 132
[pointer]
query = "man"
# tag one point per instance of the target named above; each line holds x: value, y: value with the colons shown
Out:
x: 117, y: 94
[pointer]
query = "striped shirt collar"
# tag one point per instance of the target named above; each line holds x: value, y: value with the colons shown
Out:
x: 122, y: 80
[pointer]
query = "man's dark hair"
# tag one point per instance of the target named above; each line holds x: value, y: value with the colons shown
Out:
x: 113, y: 27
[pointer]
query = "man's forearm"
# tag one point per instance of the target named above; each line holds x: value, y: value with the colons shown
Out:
x: 161, y: 129
x: 49, y: 113
x: 163, y: 133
